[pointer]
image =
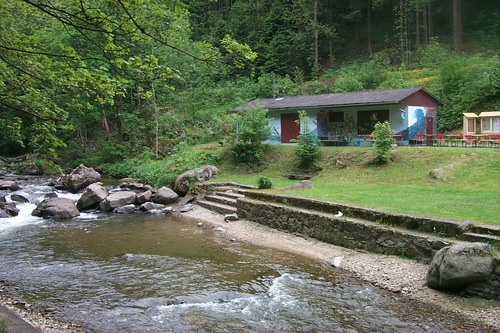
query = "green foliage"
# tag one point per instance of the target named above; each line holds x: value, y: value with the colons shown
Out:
x: 120, y: 169
x: 98, y: 77
x: 251, y: 129
x: 469, y: 83
x: 307, y: 151
x: 240, y: 54
x: 383, y: 141
x: 361, y: 75
x: 265, y: 182
x: 3, y: 326
x: 161, y: 172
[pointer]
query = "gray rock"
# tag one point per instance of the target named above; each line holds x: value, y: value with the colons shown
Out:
x: 184, y: 181
x: 231, y: 217
x: 92, y: 196
x: 127, y: 209
x: 20, y: 197
x: 167, y: 210
x: 8, y: 185
x: 56, y: 208
x: 165, y: 196
x: 185, y: 200
x: 149, y: 206
x: 81, y: 177
x: 117, y: 199
x: 11, y: 209
x: 458, y: 266
x: 134, y: 185
x: 300, y: 185
x: 143, y: 197
x: 437, y: 173
x: 186, y: 208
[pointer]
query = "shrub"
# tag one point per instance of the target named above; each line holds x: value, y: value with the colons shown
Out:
x: 307, y: 151
x: 383, y: 141
x: 265, y: 182
x: 251, y: 130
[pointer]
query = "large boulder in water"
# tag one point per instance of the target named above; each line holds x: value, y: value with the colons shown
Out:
x: 458, y: 266
x: 92, y: 196
x: 117, y: 199
x: 165, y: 196
x: 81, y: 177
x: 56, y: 208
x: 184, y: 181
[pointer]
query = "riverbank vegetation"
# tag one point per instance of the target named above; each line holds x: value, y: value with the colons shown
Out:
x: 133, y: 87
x: 105, y: 81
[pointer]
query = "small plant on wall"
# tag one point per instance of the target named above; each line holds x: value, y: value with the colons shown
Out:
x: 307, y: 151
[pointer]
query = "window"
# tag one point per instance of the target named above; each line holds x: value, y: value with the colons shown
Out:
x: 368, y: 119
x: 471, y: 125
x: 336, y: 117
x: 486, y: 124
x: 490, y: 124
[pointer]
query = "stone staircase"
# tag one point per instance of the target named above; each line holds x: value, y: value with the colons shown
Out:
x: 222, y: 202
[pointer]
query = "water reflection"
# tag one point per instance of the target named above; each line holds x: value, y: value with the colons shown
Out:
x: 164, y: 274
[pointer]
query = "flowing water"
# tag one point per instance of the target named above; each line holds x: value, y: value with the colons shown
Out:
x: 147, y: 273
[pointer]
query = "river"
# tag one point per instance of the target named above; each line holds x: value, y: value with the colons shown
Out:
x: 150, y: 273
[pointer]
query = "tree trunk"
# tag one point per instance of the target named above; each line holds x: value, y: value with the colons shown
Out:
x: 369, y: 24
x: 316, y: 37
x: 430, y: 26
x: 156, y: 121
x: 417, y: 23
x: 425, y: 35
x: 457, y: 26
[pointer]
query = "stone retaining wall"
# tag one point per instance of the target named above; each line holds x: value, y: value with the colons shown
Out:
x: 345, y: 232
x: 440, y: 227
x: 315, y: 219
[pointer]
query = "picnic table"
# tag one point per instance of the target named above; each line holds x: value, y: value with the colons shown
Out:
x: 328, y: 140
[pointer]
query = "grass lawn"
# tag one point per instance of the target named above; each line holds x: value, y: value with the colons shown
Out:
x: 470, y: 190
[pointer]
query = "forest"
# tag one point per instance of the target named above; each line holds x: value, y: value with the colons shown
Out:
x: 105, y: 81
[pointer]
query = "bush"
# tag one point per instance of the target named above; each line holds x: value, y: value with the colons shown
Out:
x: 383, y: 141
x: 307, y: 151
x: 251, y: 130
x: 265, y: 182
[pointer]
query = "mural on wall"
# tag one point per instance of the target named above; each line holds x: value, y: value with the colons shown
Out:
x: 416, y: 120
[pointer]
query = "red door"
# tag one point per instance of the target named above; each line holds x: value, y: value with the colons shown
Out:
x: 429, y: 129
x: 290, y: 128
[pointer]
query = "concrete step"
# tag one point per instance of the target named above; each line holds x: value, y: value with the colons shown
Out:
x: 217, y: 207
x: 472, y: 237
x: 221, y: 199
x: 485, y: 230
x: 230, y: 194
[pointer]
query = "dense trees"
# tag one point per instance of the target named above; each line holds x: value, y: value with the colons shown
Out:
x: 110, y: 79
